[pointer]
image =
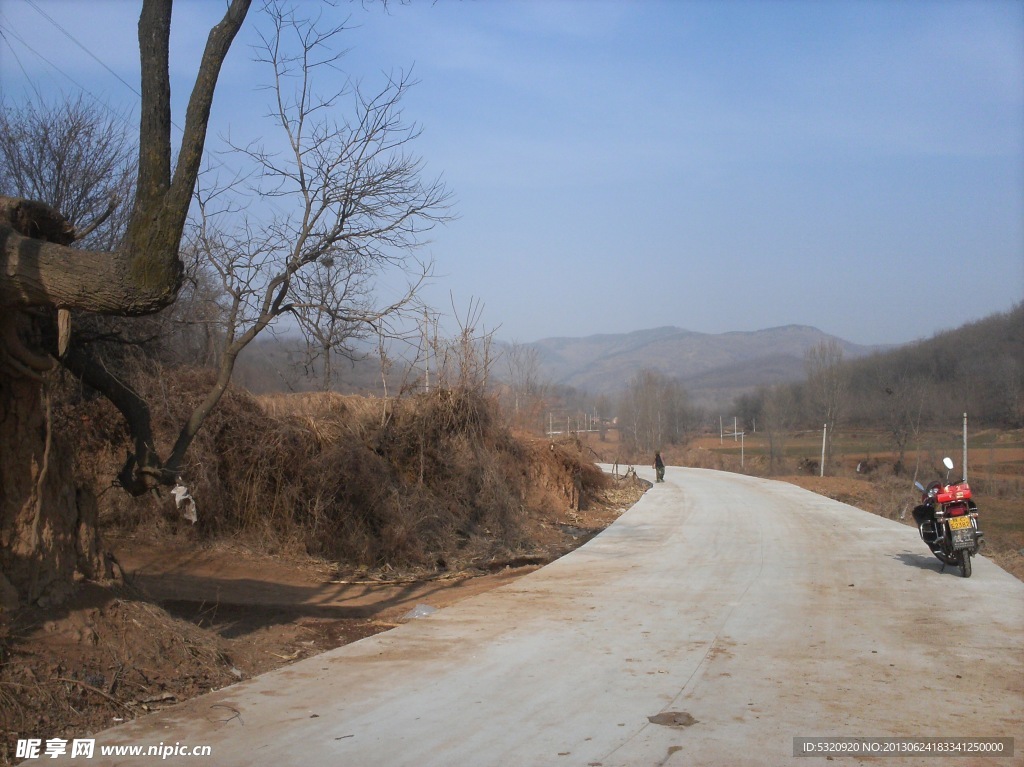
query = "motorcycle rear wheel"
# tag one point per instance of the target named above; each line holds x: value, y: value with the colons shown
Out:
x: 965, y: 562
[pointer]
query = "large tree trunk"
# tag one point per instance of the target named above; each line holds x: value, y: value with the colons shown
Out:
x: 48, y: 530
x: 47, y: 525
x: 40, y: 273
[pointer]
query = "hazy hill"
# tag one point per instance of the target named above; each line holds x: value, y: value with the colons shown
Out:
x: 977, y: 368
x: 714, y: 366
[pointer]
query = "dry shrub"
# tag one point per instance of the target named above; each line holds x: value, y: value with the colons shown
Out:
x: 434, y: 479
x: 702, y: 458
x: 1002, y: 488
x: 894, y: 497
x: 560, y: 474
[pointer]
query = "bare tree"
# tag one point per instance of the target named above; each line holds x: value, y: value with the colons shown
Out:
x: 77, y: 157
x: 903, y: 406
x: 748, y: 408
x: 1009, y: 376
x: 42, y: 273
x: 465, y: 361
x: 655, y: 408
x: 779, y: 414
x: 524, y: 383
x: 331, y: 333
x: 826, y: 387
x: 348, y: 203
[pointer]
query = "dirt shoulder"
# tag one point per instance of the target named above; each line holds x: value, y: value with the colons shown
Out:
x: 183, y: 620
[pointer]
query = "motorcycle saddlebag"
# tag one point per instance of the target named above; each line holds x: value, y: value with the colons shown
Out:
x: 961, y: 491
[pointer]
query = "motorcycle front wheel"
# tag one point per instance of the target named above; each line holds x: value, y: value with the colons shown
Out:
x: 965, y: 562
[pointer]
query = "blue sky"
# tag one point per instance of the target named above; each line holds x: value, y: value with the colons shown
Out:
x: 719, y: 165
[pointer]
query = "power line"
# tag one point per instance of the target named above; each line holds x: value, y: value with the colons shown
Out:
x: 92, y: 55
x: 211, y: 156
x: 21, y: 66
x: 104, y: 104
x: 8, y: 30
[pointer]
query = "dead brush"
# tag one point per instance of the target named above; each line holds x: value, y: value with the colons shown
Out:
x: 893, y: 497
x: 701, y: 458
x: 303, y: 404
x: 1002, y: 488
x: 410, y: 482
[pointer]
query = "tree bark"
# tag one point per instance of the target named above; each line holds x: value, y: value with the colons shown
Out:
x: 144, y: 276
x: 48, y: 525
x: 39, y: 273
x: 48, y: 529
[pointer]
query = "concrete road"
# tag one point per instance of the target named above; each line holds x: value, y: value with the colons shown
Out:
x: 719, y: 619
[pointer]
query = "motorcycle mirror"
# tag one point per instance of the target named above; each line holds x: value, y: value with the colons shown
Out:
x: 919, y: 486
x: 948, y: 463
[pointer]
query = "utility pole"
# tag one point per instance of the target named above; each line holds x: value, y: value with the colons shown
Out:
x: 824, y: 434
x: 965, y: 447
x: 426, y: 352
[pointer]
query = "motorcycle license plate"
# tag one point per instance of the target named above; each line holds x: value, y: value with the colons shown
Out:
x: 960, y: 523
x: 963, y: 539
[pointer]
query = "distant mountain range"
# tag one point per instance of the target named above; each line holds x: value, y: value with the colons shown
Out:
x: 714, y: 367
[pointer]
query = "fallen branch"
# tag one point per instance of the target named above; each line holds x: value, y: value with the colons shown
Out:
x: 96, y: 690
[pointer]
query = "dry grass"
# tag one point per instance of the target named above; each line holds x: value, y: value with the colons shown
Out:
x: 427, y: 481
x: 117, y: 656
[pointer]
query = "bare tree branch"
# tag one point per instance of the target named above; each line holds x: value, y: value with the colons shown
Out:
x: 144, y: 274
x: 349, y: 202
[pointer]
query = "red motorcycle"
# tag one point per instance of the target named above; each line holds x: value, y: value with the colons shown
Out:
x: 948, y: 521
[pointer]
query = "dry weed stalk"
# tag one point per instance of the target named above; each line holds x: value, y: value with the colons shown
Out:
x: 441, y: 479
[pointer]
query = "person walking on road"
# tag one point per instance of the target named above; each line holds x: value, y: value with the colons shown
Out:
x: 659, y: 467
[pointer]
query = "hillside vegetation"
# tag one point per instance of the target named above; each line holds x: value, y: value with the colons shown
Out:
x: 976, y: 369
x: 432, y: 480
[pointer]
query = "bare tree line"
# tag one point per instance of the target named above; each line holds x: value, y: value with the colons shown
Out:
x: 977, y: 369
x: 349, y: 201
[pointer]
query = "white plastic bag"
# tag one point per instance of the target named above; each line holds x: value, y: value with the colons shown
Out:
x: 182, y: 496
